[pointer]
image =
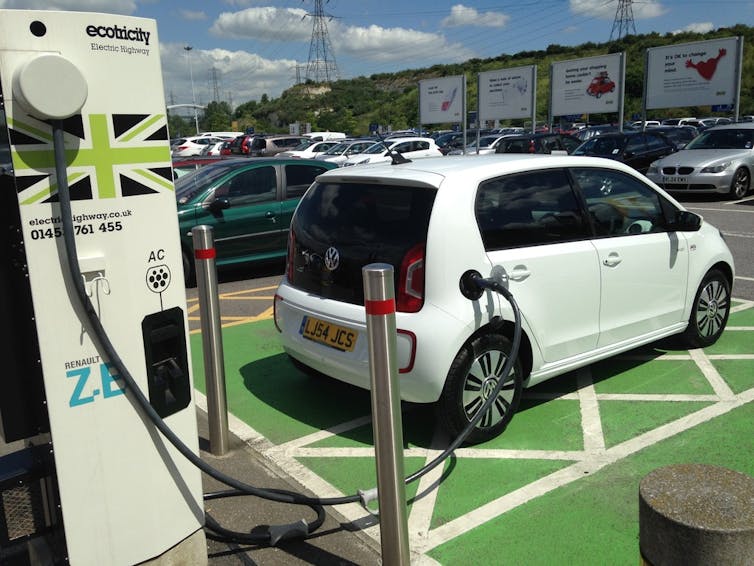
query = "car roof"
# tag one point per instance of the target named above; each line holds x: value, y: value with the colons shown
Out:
x: 433, y: 171
x: 734, y: 126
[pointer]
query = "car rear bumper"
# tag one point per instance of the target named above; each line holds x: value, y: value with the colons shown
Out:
x: 422, y: 367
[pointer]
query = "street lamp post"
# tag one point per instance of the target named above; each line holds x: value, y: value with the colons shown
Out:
x: 188, y: 49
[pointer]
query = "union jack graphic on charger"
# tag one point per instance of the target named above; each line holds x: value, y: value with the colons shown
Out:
x: 107, y: 156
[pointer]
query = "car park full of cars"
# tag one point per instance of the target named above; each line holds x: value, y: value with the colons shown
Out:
x: 537, y: 143
x: 408, y: 147
x: 308, y: 149
x: 186, y: 147
x: 719, y: 160
x: 637, y: 149
x: 340, y: 153
x: 247, y: 202
x: 599, y: 260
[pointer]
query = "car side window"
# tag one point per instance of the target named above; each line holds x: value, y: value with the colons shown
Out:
x: 299, y: 177
x: 249, y: 186
x: 635, y: 144
x: 619, y: 204
x: 533, y: 208
x: 655, y: 142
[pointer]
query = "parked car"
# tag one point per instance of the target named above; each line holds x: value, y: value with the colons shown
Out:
x: 193, y: 145
x: 719, y: 160
x: 679, y: 135
x: 185, y: 165
x: 326, y: 136
x: 348, y: 148
x: 537, y: 143
x: 248, y: 202
x: 410, y: 148
x: 213, y: 149
x: 269, y: 146
x: 308, y: 149
x: 636, y: 149
x: 599, y: 260
x: 590, y: 131
x: 241, y: 145
x: 487, y: 144
x: 449, y: 141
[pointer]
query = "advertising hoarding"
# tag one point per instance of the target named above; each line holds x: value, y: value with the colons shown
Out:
x: 507, y: 93
x: 442, y: 100
x: 587, y: 86
x: 693, y: 74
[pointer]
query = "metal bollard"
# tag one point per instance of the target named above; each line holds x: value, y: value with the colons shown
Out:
x: 379, y: 301
x: 212, y: 345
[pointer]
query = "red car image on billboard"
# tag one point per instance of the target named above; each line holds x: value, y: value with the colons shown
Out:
x: 601, y: 84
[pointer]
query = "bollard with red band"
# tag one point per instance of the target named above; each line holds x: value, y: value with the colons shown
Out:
x: 212, y: 345
x: 379, y: 303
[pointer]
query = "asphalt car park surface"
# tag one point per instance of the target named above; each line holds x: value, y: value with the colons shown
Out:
x: 560, y: 484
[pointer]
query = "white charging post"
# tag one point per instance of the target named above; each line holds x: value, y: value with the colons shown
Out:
x: 124, y: 495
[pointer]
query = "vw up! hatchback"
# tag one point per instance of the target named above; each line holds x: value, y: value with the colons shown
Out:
x: 599, y: 259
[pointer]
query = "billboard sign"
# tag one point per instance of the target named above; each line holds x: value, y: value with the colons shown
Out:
x: 442, y: 100
x: 507, y: 93
x: 587, y: 86
x: 702, y: 73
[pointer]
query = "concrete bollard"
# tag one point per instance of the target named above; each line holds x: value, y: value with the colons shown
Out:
x: 696, y: 514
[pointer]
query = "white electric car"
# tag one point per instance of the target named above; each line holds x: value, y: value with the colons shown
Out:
x: 599, y: 259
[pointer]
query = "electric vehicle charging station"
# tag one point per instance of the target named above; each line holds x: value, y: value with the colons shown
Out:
x: 112, y: 490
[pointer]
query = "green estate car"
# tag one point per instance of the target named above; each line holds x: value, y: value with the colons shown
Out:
x: 248, y: 203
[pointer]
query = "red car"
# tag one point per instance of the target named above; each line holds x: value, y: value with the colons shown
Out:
x: 601, y: 84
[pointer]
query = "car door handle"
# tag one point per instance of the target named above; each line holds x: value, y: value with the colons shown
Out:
x: 519, y: 273
x: 612, y: 260
x: 271, y: 215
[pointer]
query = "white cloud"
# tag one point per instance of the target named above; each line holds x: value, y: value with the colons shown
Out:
x: 192, y: 15
x: 461, y: 15
x: 264, y: 24
x: 106, y: 6
x: 376, y: 43
x: 246, y: 76
x: 700, y: 27
x: 606, y: 10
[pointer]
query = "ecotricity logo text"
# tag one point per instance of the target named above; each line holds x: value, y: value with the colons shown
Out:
x: 116, y: 32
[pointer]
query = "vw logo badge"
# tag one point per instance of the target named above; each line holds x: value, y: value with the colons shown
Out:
x: 332, y: 259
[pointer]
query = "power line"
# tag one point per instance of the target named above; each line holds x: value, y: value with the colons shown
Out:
x: 624, y: 20
x: 321, y: 66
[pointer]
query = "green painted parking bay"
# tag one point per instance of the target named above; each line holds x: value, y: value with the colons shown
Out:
x: 560, y: 485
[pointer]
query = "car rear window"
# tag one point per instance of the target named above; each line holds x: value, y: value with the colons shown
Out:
x: 365, y: 223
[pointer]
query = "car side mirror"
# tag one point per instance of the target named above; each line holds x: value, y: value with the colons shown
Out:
x: 686, y: 221
x: 219, y: 204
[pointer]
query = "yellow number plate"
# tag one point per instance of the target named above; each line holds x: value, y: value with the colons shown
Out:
x: 329, y: 334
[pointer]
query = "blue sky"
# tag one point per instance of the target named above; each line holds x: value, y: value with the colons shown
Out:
x: 245, y: 48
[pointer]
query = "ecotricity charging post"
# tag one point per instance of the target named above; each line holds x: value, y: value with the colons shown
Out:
x: 121, y: 494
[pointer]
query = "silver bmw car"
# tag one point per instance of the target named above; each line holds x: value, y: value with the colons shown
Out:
x: 719, y: 160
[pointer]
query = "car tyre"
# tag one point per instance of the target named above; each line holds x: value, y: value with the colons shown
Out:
x: 189, y: 271
x: 472, y: 377
x: 709, y: 311
x: 741, y: 183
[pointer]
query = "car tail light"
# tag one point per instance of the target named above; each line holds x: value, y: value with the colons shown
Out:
x: 182, y: 147
x: 411, y: 282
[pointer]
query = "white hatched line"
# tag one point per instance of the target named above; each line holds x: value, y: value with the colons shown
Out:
x: 342, y: 452
x: 504, y: 454
x: 656, y: 397
x: 421, y: 511
x: 743, y: 304
x: 591, y: 423
x: 542, y: 486
x: 323, y: 434
x: 715, y: 380
x: 739, y: 328
x: 730, y: 356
